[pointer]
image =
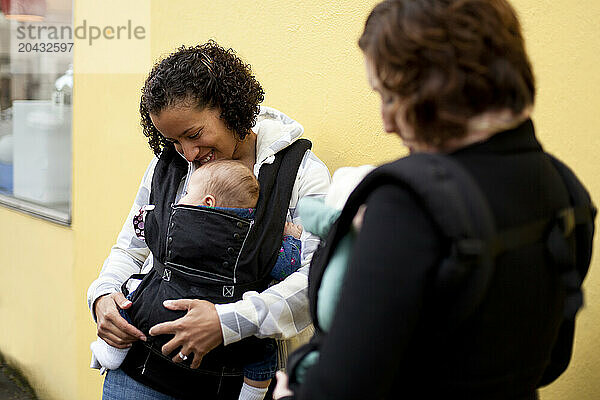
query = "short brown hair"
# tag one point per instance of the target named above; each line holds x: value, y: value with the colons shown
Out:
x: 449, y: 60
x: 230, y: 182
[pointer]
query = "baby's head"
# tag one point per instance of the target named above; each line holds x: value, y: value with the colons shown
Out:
x: 222, y: 183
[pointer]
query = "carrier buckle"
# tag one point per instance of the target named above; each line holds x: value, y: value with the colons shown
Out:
x: 469, y: 248
x: 166, y: 275
x: 566, y: 221
x: 228, y: 291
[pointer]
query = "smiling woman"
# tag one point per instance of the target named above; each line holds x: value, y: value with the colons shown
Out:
x: 198, y: 105
x: 201, y: 136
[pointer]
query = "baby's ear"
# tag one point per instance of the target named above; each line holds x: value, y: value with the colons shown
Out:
x: 209, y: 201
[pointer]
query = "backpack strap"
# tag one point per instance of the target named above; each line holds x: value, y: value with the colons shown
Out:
x: 459, y: 210
x: 570, y: 244
x: 276, y: 181
x: 570, y: 239
x: 463, y: 216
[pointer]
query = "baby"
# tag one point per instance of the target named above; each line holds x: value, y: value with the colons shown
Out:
x: 229, y: 186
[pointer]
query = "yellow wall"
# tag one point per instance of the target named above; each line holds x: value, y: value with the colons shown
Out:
x: 38, y: 302
x: 305, y: 55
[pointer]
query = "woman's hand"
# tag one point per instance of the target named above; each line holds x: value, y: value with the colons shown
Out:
x: 112, y: 327
x: 197, y: 332
x: 282, y: 389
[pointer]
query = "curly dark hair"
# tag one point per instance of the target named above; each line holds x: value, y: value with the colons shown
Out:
x: 449, y: 60
x: 205, y: 75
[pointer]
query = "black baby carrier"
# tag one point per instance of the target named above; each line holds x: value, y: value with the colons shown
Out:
x: 207, y: 254
x: 460, y: 210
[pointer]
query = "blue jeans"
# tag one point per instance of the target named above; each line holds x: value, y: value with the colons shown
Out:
x: 119, y: 386
x: 264, y: 369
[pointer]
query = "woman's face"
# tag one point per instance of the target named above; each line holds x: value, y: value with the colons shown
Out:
x: 199, y: 135
x: 392, y: 111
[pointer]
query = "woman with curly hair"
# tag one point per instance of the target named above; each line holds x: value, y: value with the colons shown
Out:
x: 198, y: 105
x: 425, y: 312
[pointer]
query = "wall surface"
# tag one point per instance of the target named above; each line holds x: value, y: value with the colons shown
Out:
x: 305, y: 55
x: 37, y: 307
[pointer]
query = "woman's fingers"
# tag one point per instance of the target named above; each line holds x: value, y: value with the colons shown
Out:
x: 115, y: 341
x: 182, y: 355
x: 127, y: 329
x: 172, y: 345
x: 169, y: 327
x: 121, y: 300
x: 111, y: 325
x: 196, y: 361
x: 187, y: 354
x: 164, y: 328
x: 118, y: 332
x: 198, y: 332
x: 181, y: 304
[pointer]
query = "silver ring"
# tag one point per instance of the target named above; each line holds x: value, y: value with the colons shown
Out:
x: 183, y: 358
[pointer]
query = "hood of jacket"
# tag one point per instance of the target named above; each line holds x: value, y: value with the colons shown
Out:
x: 275, y: 131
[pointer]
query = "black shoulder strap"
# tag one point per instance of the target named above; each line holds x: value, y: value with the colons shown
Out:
x: 570, y: 240
x: 462, y: 214
x: 170, y: 169
x: 276, y: 185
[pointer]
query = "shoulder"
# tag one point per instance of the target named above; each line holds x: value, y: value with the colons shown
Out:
x: 311, y: 164
x: 393, y: 197
x: 313, y: 176
x: 396, y: 208
x: 147, y: 178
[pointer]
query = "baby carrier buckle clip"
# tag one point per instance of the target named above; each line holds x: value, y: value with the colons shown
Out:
x: 166, y: 275
x: 228, y: 291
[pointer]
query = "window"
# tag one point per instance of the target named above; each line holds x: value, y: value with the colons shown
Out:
x: 36, y: 81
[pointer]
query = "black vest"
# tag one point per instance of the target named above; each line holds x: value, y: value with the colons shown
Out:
x: 206, y: 254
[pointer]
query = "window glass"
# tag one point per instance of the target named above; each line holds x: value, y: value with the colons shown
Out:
x: 36, y: 82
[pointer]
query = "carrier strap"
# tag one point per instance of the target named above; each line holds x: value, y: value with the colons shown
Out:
x: 462, y: 213
x: 124, y: 288
x: 513, y: 238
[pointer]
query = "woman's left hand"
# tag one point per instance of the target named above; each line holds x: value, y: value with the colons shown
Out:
x: 282, y: 389
x: 197, y: 332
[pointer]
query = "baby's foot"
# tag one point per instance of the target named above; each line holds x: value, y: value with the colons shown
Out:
x: 109, y: 357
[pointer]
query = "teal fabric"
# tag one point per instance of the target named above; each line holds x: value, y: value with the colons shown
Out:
x: 331, y: 284
x: 317, y: 218
x: 309, y: 360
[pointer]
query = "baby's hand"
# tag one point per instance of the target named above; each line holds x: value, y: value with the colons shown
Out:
x: 291, y: 229
x: 358, y: 218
